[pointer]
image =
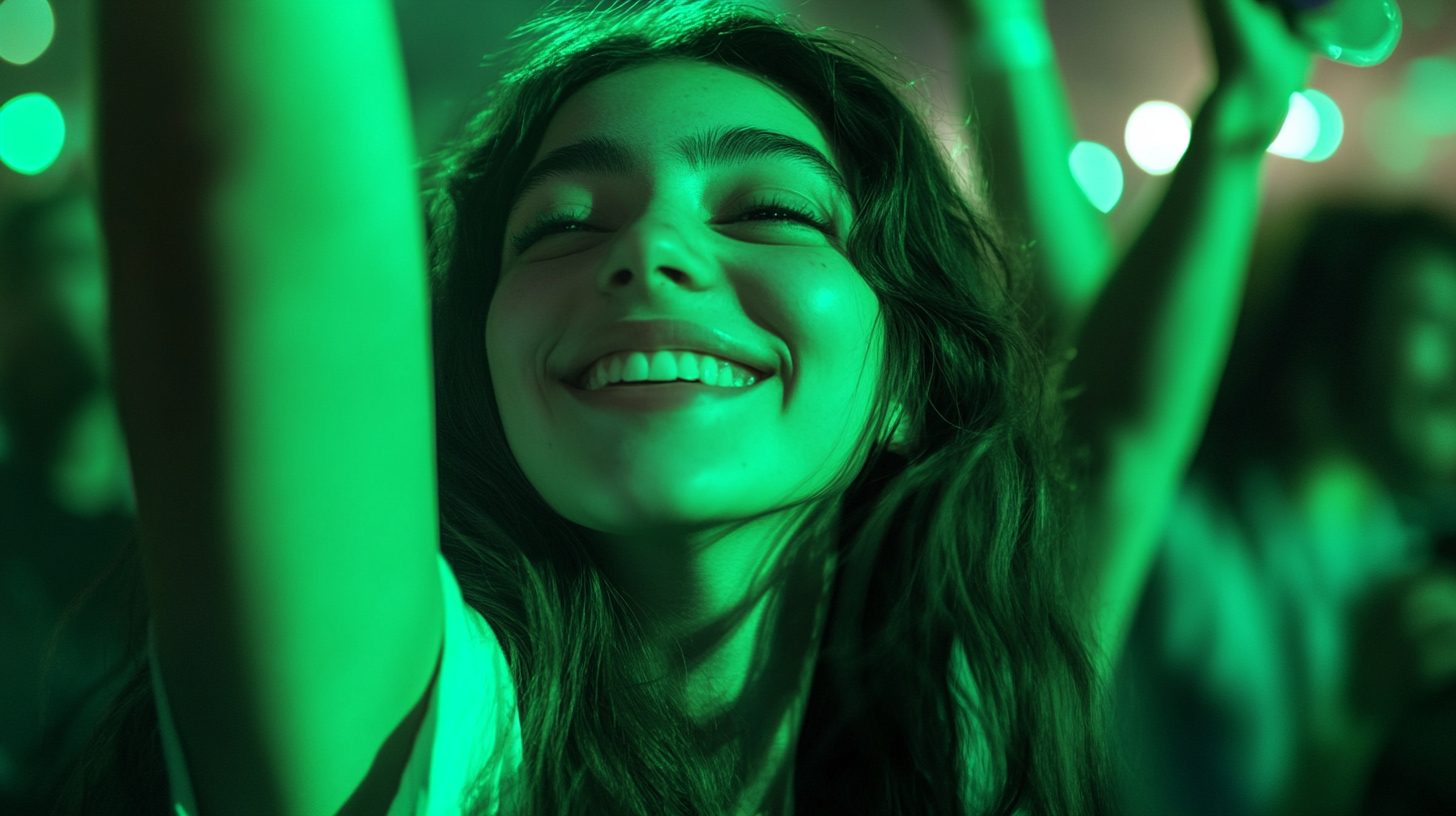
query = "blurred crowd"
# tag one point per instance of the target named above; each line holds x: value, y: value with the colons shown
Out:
x: 1295, y: 650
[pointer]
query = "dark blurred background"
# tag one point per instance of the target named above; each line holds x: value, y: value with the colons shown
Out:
x: 64, y: 499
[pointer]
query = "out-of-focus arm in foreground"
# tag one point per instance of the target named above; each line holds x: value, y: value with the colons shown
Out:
x: 269, y: 331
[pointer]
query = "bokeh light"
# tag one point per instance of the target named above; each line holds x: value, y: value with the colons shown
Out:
x: 26, y: 29
x: 1394, y: 142
x: 1157, y: 136
x: 1301, y: 129
x: 32, y: 131
x: 1331, y: 126
x: 1098, y: 173
x: 1430, y: 95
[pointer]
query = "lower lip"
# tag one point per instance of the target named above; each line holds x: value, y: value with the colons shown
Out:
x: 657, y: 397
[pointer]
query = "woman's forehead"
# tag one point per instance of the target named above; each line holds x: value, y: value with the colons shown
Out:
x: 655, y: 106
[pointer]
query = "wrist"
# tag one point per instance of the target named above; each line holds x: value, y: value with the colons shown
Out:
x: 1239, y: 120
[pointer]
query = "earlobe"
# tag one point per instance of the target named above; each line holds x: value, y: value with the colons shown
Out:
x: 899, y: 439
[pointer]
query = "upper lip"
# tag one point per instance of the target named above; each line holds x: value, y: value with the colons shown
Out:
x: 668, y: 335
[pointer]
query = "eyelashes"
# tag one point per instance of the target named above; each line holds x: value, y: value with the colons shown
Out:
x: 544, y: 225
x: 774, y: 208
x: 765, y: 209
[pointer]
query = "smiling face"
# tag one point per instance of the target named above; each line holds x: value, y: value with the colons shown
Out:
x: 677, y: 340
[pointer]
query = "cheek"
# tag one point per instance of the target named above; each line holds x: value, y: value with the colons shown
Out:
x: 528, y: 307
x: 506, y: 337
x: 830, y: 319
x: 522, y: 325
x: 523, y: 315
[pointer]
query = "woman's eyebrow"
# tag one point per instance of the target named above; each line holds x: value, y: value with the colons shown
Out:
x: 594, y: 154
x: 613, y: 157
x: 738, y: 144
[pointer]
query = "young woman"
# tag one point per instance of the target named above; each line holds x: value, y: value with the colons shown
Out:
x: 746, y: 485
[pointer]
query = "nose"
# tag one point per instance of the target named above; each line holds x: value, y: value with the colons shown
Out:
x: 657, y: 251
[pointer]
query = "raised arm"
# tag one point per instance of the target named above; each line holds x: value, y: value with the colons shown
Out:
x: 269, y: 329
x: 1024, y: 133
x: 1154, y: 344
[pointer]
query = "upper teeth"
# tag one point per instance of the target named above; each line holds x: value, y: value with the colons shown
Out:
x: 665, y: 366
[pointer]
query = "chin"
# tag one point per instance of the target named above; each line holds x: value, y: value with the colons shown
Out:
x: 626, y: 508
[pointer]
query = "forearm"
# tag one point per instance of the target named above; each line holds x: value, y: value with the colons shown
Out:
x: 270, y: 341
x: 1024, y: 133
x: 1150, y: 356
x: 261, y: 206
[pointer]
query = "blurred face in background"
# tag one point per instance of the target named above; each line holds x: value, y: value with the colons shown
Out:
x: 1412, y: 362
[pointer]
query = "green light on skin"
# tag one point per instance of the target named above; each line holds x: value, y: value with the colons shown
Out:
x: 1331, y: 126
x: 1430, y: 95
x: 1098, y: 173
x: 26, y: 29
x: 32, y: 131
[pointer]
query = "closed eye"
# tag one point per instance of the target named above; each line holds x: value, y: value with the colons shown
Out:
x: 778, y: 210
x: 771, y: 210
x: 547, y: 225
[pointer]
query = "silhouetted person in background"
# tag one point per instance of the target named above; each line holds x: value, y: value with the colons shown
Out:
x: 64, y: 499
x: 1294, y: 612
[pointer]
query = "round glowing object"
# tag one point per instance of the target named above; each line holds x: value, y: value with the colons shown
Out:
x: 26, y: 29
x: 1301, y: 129
x: 32, y: 131
x: 1157, y: 135
x: 1356, y: 32
x: 1098, y: 173
x: 1331, y: 126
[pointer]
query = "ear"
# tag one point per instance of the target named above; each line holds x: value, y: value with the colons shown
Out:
x: 899, y: 441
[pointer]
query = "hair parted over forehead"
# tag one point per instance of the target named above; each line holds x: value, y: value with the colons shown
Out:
x: 949, y: 633
x: 904, y: 193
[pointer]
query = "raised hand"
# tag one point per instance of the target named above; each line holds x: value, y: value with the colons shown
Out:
x: 1260, y: 62
x: 1023, y: 135
x: 1151, y: 352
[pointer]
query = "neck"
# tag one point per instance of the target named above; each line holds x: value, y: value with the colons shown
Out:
x: 745, y: 610
x: 687, y: 581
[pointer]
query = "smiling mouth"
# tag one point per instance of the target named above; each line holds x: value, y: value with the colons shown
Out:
x: 625, y: 368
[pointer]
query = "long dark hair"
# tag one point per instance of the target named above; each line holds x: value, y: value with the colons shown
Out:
x: 954, y: 676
